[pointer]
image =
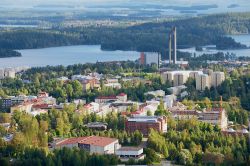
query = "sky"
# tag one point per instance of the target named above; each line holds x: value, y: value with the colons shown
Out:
x: 181, y: 2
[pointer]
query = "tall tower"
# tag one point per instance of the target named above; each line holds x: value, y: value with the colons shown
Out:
x: 175, y: 48
x: 170, y: 47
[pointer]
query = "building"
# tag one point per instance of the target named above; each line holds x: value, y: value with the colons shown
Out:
x: 150, y: 58
x: 182, y: 75
x: 122, y: 97
x: 126, y: 153
x: 177, y: 89
x: 217, y: 78
x: 145, y: 123
x: 194, y: 74
x: 180, y: 79
x: 203, y: 82
x: 9, y: 72
x: 1, y: 73
x: 68, y: 142
x: 99, y: 145
x: 97, y: 125
x: 169, y: 100
x: 157, y: 93
x: 91, y: 81
x: 215, y: 117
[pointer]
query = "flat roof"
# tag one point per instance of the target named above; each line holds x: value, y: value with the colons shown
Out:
x: 129, y: 148
x: 68, y: 141
x: 98, y: 141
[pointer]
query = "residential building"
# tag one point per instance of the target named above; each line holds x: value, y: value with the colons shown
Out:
x: 177, y: 89
x: 122, y: 97
x: 203, y: 82
x: 113, y: 85
x: 157, y: 93
x: 217, y: 78
x: 126, y: 153
x: 169, y: 100
x: 180, y: 79
x: 194, y: 74
x: 145, y: 123
x: 1, y: 73
x: 9, y: 72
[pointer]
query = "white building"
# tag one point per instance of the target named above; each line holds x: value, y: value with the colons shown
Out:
x: 99, y: 145
x: 115, y: 85
x: 10, y: 72
x: 157, y: 93
x: 169, y: 100
x: 203, y: 81
x: 1, y: 73
x: 126, y: 153
x: 178, y: 77
x: 177, y: 89
x: 217, y: 78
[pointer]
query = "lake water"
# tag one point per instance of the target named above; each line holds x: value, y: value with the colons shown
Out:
x: 244, y: 39
x: 67, y: 55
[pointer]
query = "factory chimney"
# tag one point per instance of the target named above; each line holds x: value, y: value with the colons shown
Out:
x: 175, y: 47
x: 170, y: 47
x: 172, y: 33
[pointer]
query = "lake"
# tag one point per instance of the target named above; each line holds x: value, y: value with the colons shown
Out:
x: 244, y: 39
x: 67, y: 55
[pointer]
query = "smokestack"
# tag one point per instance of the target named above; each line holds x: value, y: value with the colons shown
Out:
x: 170, y: 47
x: 175, y: 48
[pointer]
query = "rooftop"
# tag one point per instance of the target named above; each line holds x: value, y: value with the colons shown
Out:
x: 97, y: 141
x: 68, y: 141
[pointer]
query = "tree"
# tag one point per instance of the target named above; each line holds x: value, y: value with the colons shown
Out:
x: 185, y: 157
x: 213, y: 158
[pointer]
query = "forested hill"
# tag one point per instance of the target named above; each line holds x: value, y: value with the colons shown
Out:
x: 146, y: 37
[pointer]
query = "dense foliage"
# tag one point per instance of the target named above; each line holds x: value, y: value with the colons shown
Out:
x: 190, y: 142
x: 4, y: 53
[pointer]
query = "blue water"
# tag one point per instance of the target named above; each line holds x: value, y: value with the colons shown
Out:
x: 67, y: 55
x: 243, y: 39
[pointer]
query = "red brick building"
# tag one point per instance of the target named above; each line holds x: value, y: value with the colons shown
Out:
x: 145, y: 123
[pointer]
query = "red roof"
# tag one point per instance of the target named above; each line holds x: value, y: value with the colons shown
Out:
x: 107, y: 97
x: 122, y: 94
x: 40, y: 106
x: 98, y: 141
x: 68, y: 141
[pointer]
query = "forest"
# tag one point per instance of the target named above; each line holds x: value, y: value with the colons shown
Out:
x: 4, y: 53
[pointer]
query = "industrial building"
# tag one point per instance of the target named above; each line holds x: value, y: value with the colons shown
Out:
x: 145, y: 123
x: 149, y: 58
